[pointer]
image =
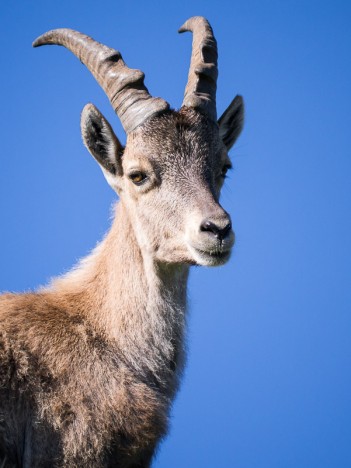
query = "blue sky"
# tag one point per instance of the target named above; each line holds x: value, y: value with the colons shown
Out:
x: 268, y: 380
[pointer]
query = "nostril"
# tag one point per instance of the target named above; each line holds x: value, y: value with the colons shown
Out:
x: 208, y: 226
x: 219, y: 232
x: 226, y: 230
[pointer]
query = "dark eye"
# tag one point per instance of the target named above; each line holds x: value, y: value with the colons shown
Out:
x: 224, y: 170
x: 137, y: 177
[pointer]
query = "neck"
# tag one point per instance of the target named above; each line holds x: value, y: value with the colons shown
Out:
x: 134, y: 300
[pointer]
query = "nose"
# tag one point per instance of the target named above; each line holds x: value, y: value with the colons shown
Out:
x: 219, y: 229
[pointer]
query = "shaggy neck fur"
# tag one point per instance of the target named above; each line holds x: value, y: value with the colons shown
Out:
x: 133, y: 300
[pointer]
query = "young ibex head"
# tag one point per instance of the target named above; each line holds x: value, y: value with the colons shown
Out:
x: 170, y: 173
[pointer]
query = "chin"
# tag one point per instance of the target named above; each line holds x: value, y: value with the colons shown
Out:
x: 209, y: 258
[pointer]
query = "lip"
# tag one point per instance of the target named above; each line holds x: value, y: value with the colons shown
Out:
x: 210, y: 257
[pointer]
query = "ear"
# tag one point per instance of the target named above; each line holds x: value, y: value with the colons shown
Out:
x: 101, y: 141
x: 231, y: 122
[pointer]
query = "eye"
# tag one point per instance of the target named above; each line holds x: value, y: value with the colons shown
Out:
x: 137, y: 177
x: 224, y: 170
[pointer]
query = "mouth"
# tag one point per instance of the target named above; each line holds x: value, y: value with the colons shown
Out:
x: 210, y: 257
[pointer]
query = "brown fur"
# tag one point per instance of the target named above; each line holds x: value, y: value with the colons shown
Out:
x: 89, y: 366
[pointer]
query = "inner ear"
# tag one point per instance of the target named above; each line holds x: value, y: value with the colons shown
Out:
x: 231, y: 122
x: 100, y: 139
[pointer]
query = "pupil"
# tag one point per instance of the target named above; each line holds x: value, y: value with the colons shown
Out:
x: 137, y: 177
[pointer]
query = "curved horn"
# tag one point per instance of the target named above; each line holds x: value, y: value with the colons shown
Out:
x: 200, y: 91
x: 124, y: 86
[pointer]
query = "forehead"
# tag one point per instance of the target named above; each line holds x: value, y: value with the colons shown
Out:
x: 184, y: 136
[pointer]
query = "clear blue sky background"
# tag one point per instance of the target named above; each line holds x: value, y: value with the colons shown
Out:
x: 268, y: 382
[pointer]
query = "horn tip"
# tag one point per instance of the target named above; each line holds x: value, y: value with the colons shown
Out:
x: 43, y: 39
x: 52, y: 37
x: 37, y: 42
x: 190, y: 23
x: 183, y: 28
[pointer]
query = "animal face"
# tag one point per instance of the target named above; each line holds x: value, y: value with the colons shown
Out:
x: 170, y: 174
x: 169, y: 177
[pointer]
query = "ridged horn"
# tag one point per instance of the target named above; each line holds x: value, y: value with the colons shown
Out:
x: 200, y: 91
x: 124, y: 86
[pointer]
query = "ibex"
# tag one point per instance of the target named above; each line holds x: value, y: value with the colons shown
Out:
x: 89, y: 366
